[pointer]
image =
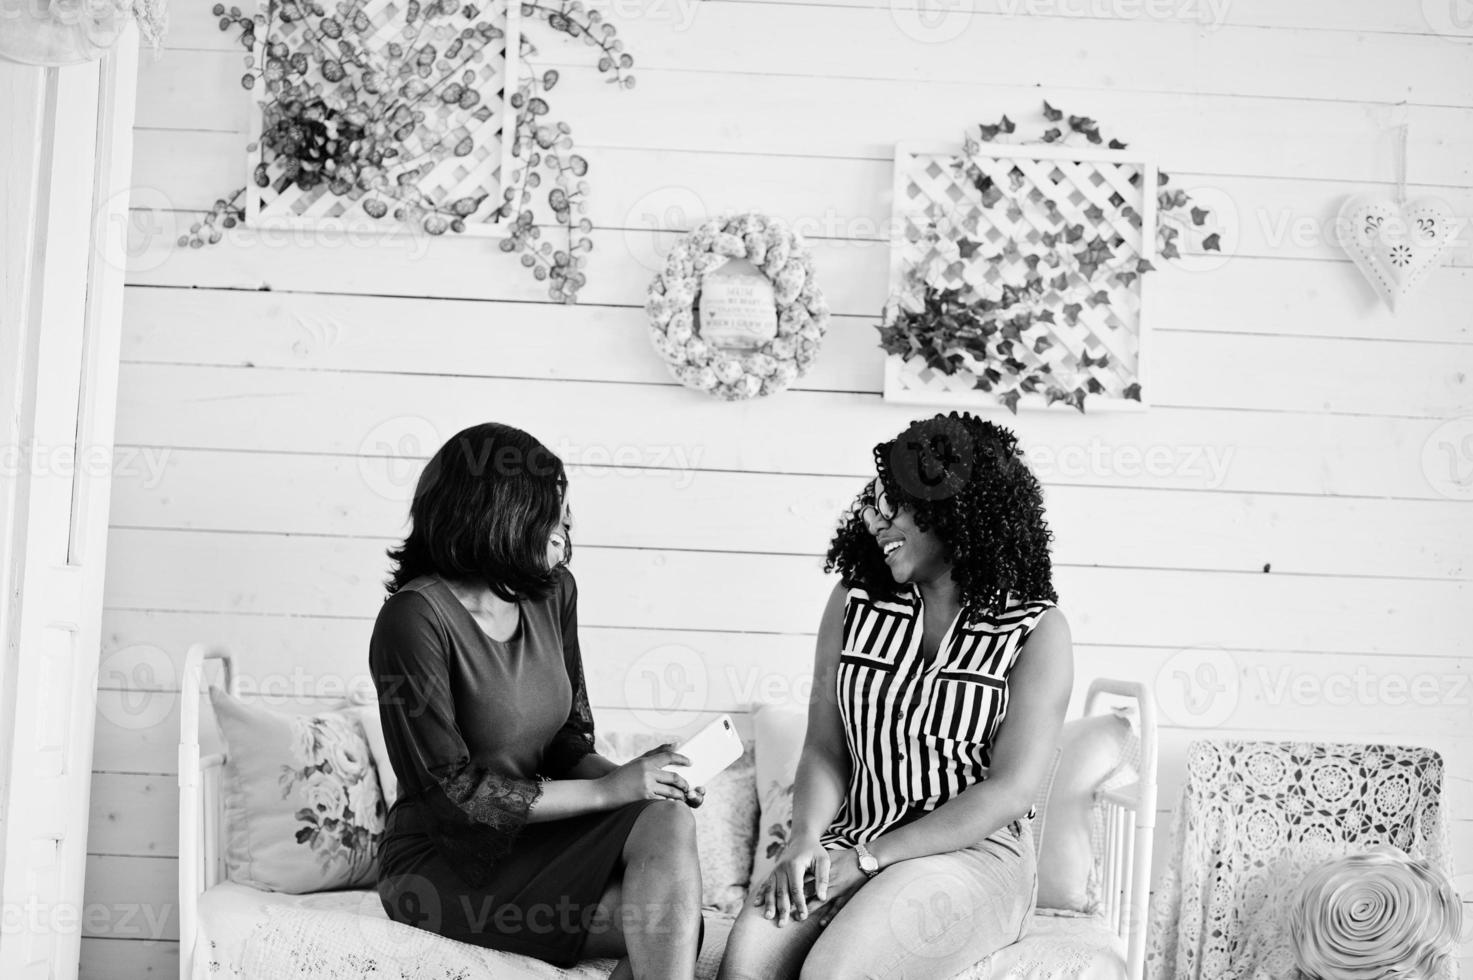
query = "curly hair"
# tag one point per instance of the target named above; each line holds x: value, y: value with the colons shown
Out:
x: 965, y: 479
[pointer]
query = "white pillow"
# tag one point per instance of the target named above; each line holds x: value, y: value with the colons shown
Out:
x: 373, y: 732
x: 778, y: 730
x: 1093, y: 754
x: 726, y: 823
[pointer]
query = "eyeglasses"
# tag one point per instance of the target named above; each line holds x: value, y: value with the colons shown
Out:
x: 875, y: 500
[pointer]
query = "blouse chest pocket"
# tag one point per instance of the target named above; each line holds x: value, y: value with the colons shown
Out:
x: 965, y: 706
x: 873, y: 638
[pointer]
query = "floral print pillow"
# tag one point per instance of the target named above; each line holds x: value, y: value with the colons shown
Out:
x: 303, y: 808
x: 726, y: 822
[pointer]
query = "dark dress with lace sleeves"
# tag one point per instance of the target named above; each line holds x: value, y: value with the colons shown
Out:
x: 473, y: 726
x: 575, y: 739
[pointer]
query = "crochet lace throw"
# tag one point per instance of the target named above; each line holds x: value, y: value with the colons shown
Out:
x: 1253, y: 819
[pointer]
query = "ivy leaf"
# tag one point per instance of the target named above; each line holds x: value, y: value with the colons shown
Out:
x: 1095, y: 213
x: 1094, y: 386
x: 1071, y: 312
x: 1117, y: 145
x: 1010, y: 399
x: 1133, y: 391
x: 1007, y: 125
x: 1100, y: 298
x: 1212, y: 243
x: 893, y: 340
x: 990, y: 197
x: 967, y: 247
x: 1199, y: 216
x: 1053, y: 135
x: 1044, y: 316
x: 1144, y: 266
x: 1042, y: 344
x: 989, y: 133
x: 1073, y: 233
x: 1050, y: 113
x: 1127, y: 277
x: 1061, y: 281
x: 1170, y: 251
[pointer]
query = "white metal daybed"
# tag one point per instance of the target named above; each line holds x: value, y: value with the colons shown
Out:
x: 227, y: 929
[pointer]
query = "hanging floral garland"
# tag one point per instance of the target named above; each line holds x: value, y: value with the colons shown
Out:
x: 345, y: 111
x: 736, y: 311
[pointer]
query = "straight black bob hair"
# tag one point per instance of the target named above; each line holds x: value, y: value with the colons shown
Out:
x: 483, y: 510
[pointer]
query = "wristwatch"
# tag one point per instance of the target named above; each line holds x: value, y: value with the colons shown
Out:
x: 868, y: 863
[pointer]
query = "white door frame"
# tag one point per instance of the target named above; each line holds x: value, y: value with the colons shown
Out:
x: 65, y: 160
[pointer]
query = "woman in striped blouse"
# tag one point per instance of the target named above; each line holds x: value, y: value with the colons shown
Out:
x: 941, y: 679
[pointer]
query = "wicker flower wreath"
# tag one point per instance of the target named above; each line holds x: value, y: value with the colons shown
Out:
x: 802, y: 315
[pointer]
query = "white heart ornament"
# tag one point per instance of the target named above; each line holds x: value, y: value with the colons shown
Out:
x: 1396, y: 245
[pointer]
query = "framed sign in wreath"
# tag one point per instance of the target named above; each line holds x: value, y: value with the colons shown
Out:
x: 736, y: 311
x: 1016, y: 275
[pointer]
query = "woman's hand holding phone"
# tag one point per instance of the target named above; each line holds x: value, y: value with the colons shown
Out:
x: 645, y: 778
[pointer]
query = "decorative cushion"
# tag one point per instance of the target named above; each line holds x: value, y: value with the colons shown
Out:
x: 378, y: 750
x: 778, y: 730
x: 1056, y: 948
x: 1093, y: 754
x: 726, y: 823
x: 303, y: 810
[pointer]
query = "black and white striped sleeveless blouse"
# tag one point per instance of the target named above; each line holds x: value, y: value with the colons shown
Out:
x: 918, y: 734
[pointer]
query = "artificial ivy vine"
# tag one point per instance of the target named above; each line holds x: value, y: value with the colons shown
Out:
x: 1000, y: 338
x: 341, y: 112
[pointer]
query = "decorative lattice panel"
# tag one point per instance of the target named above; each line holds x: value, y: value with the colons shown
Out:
x: 429, y: 155
x: 1049, y: 241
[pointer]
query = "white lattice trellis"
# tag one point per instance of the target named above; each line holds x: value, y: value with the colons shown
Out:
x: 1023, y: 212
x: 492, y: 73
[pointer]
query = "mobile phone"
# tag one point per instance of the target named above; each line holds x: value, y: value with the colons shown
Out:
x: 709, y: 750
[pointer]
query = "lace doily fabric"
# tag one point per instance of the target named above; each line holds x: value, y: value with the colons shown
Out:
x: 1253, y: 819
x: 346, y: 936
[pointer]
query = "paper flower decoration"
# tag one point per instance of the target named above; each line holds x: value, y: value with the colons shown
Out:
x: 1379, y: 915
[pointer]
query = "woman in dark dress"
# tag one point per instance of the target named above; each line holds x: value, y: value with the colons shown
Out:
x: 510, y: 832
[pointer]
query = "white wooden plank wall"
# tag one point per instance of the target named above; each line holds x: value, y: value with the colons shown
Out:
x: 1268, y: 531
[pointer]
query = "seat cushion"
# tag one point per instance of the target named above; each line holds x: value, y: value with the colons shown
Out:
x: 1057, y: 947
x: 345, y: 935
